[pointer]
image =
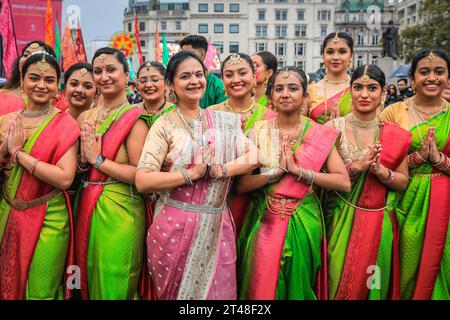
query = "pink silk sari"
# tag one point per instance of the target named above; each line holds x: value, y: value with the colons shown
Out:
x: 191, y: 243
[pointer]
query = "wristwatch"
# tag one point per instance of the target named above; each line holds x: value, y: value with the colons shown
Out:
x: 98, y: 162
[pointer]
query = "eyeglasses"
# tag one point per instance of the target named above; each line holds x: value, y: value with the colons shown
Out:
x: 144, y: 80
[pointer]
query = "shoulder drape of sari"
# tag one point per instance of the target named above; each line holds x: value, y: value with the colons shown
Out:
x: 423, y: 213
x: 359, y: 240
x: 150, y: 119
x: 20, y: 230
x: 10, y: 103
x: 341, y: 101
x: 111, y: 143
x: 268, y: 241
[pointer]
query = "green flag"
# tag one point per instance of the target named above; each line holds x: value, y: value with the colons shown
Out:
x: 57, y: 43
x: 165, y: 53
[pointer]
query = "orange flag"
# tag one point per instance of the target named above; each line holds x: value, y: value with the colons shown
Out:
x: 68, y: 48
x: 49, y: 39
x: 138, y: 37
x: 158, y: 53
x: 79, y: 44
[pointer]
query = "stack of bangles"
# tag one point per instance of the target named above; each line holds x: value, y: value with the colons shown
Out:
x: 14, y: 155
x: 82, y: 167
x: 390, y: 178
x: 187, y: 178
x: 443, y: 164
x: 415, y: 160
x: 33, y: 166
x: 307, y: 176
x: 272, y: 178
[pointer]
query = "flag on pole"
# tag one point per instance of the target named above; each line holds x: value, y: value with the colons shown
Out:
x: 48, y: 25
x: 68, y: 49
x: 57, y: 42
x: 138, y: 37
x: 158, y: 54
x: 79, y: 44
x: 165, y: 51
x: 9, y: 40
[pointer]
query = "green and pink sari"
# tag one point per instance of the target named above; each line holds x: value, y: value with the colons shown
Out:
x: 111, y: 224
x: 423, y: 213
x: 362, y: 231
x: 340, y: 102
x: 283, y: 255
x: 37, y: 243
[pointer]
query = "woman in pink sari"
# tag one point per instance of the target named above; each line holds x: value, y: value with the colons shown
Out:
x: 189, y: 158
x: 281, y: 247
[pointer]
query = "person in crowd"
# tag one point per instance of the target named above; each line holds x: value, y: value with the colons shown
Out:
x: 38, y: 153
x: 189, y: 158
x: 281, y: 246
x: 266, y: 64
x: 391, y: 96
x: 330, y: 97
x: 362, y: 225
x: 111, y: 214
x: 214, y: 92
x: 423, y: 211
x: 404, y: 91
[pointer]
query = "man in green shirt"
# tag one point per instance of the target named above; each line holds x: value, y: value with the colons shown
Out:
x: 214, y: 92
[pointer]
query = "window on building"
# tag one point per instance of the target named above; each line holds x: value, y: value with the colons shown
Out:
x: 324, y: 1
x: 178, y: 6
x: 300, y: 1
x: 163, y: 25
x: 178, y: 25
x: 281, y: 15
x: 234, y: 47
x: 261, y: 1
x: 130, y: 27
x: 346, y: 17
x: 300, y: 31
x: 234, y: 28
x: 375, y: 60
x: 301, y: 15
x: 361, y: 17
x: 143, y: 43
x: 360, y: 61
x: 375, y: 38
x: 203, y: 28
x: 218, y: 28
x: 261, y: 15
x: 202, y: 7
x: 281, y: 63
x: 261, y: 46
x: 360, y: 38
x: 142, y: 26
x: 164, y: 6
x: 323, y: 30
x: 281, y: 1
x: 281, y: 31
x: 300, y: 64
x: 299, y: 49
x: 261, y: 31
x: 280, y: 48
x: 218, y: 7
x: 324, y: 15
x: 234, y: 7
x: 219, y: 46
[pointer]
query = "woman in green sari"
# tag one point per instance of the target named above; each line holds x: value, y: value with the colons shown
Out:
x: 38, y: 161
x: 152, y: 88
x: 424, y: 209
x: 281, y: 246
x: 111, y: 214
x: 362, y: 227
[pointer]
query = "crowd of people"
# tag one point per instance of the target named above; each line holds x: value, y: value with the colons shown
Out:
x: 254, y: 186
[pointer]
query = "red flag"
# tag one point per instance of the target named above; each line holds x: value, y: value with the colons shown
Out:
x: 158, y: 53
x: 79, y: 45
x: 68, y: 49
x: 9, y: 40
x: 49, y: 25
x: 138, y: 37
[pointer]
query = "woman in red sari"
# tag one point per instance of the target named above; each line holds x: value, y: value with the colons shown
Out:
x: 39, y: 147
x: 11, y: 96
x: 281, y: 248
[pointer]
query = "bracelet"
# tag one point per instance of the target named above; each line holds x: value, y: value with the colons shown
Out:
x: 15, y: 153
x: 310, y: 178
x: 443, y: 164
x: 271, y: 178
x: 300, y: 173
x: 224, y: 171
x: 415, y: 160
x: 208, y: 169
x: 99, y: 161
x: 350, y: 171
x: 282, y: 168
x: 33, y: 166
x: 420, y: 157
x: 187, y: 178
x: 390, y: 178
x: 313, y: 177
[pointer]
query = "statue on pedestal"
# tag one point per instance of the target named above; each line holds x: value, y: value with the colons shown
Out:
x: 390, y: 37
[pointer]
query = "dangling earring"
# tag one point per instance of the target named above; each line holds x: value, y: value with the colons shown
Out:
x: 23, y: 96
x: 254, y: 89
x: 94, y: 101
x: 172, y: 96
x: 225, y: 93
x: 413, y: 86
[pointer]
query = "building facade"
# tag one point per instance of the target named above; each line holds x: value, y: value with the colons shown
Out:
x: 407, y: 13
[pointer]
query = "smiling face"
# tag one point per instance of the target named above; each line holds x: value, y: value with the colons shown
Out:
x: 189, y: 82
x: 431, y: 77
x: 366, y: 96
x: 80, y: 89
x: 151, y: 84
x: 336, y: 56
x: 40, y: 87
x: 238, y: 79
x: 109, y: 75
x: 287, y: 93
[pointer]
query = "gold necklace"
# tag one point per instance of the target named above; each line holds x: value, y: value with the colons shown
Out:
x: 189, y: 124
x: 346, y: 80
x: 326, y: 116
x: 38, y: 122
x: 154, y: 113
x: 425, y: 116
x: 298, y: 134
x: 231, y: 109
x: 366, y: 125
x: 106, y: 113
